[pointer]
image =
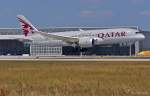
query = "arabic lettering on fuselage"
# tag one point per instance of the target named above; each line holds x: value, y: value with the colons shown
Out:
x: 112, y: 34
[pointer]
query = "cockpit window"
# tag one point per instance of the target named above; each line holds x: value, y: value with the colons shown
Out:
x: 138, y: 32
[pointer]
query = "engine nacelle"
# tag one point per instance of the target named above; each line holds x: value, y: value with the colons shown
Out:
x: 89, y: 42
x: 98, y: 41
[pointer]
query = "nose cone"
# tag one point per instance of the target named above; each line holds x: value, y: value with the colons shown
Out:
x: 141, y: 36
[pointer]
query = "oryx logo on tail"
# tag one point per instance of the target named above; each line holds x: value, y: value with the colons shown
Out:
x: 26, y: 25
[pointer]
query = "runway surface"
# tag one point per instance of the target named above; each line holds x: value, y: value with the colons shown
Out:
x: 73, y: 58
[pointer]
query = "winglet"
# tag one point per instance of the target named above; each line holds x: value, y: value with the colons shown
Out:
x: 26, y: 25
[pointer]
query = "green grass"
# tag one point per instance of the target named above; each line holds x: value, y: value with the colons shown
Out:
x: 39, y: 78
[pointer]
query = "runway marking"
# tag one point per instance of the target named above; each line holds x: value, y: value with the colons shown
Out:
x: 77, y: 59
x: 73, y: 58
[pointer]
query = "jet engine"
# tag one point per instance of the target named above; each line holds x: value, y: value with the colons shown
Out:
x: 89, y: 42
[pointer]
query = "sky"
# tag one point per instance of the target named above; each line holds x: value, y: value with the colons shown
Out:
x: 77, y: 13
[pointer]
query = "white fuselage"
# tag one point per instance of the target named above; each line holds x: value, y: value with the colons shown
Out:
x: 93, y: 37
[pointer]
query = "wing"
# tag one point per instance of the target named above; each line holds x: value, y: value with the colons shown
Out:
x: 58, y: 37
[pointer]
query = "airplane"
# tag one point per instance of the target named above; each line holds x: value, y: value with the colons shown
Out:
x: 82, y: 38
